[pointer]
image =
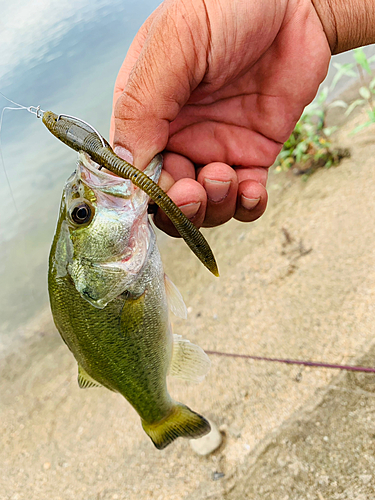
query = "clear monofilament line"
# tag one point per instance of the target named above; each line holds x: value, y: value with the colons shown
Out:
x: 31, y: 109
x: 1, y: 154
x: 20, y: 106
x: 35, y: 110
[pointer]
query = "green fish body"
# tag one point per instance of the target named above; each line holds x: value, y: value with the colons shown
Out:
x: 109, y: 299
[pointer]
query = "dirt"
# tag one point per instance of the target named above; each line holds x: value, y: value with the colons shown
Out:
x: 299, y: 283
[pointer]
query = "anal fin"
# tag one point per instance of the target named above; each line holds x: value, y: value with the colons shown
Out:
x: 84, y: 379
x: 189, y: 361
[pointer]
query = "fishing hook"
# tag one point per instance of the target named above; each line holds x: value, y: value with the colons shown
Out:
x: 87, y: 124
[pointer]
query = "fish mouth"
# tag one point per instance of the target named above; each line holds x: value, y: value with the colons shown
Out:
x: 100, y: 179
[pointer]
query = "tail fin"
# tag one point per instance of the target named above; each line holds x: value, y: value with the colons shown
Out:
x: 181, y: 422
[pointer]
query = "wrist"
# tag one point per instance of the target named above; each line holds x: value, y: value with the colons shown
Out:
x: 347, y: 23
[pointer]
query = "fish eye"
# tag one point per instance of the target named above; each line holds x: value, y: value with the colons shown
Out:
x: 82, y: 213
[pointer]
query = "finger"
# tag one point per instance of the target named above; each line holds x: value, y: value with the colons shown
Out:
x: 221, y: 184
x: 251, y: 201
x: 172, y: 62
x: 175, y: 167
x: 178, y: 166
x: 258, y: 174
x: 166, y: 181
x: 191, y: 197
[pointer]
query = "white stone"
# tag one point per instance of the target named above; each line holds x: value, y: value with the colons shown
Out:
x: 207, y: 444
x: 365, y: 478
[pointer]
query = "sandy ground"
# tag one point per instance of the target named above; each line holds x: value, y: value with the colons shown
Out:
x: 289, y: 433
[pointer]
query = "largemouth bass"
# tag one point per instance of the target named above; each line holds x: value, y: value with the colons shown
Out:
x: 109, y: 299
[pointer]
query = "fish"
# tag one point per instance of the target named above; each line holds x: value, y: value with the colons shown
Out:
x: 111, y: 300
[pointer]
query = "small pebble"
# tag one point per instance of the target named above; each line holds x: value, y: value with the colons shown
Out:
x: 235, y: 432
x: 323, y: 481
x: 46, y: 466
x: 365, y: 478
x: 207, y: 444
x: 217, y: 475
x: 223, y: 428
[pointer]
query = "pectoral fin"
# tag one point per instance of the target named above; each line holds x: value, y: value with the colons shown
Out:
x: 175, y: 301
x: 189, y: 361
x: 84, y: 379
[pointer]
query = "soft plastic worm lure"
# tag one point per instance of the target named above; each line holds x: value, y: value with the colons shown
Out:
x: 81, y: 136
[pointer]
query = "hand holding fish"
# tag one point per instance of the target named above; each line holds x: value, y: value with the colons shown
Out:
x: 218, y: 85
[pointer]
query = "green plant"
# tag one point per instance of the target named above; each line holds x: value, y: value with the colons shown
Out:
x: 309, y: 147
x: 366, y: 91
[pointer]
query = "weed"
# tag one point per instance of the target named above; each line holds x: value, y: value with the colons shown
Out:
x: 366, y: 91
x: 309, y: 148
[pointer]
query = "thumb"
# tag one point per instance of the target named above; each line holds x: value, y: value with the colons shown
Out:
x: 169, y: 64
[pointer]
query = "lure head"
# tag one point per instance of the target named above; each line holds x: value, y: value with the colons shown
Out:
x: 50, y: 120
x: 103, y: 234
x: 71, y: 131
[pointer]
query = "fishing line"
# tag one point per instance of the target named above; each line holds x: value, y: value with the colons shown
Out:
x: 31, y: 109
x: 35, y: 110
x: 2, y: 159
x: 318, y: 364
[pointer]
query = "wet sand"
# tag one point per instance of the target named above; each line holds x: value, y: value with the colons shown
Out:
x: 299, y: 283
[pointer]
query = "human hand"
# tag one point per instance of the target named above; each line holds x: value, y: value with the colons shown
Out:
x: 219, y: 86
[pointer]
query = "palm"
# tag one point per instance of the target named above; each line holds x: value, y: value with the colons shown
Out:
x: 232, y: 99
x: 247, y: 119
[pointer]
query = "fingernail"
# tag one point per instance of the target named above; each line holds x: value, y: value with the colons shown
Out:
x: 216, y: 190
x: 190, y: 210
x: 249, y: 203
x: 124, y: 154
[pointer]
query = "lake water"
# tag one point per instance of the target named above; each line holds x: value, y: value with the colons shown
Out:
x: 63, y: 55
